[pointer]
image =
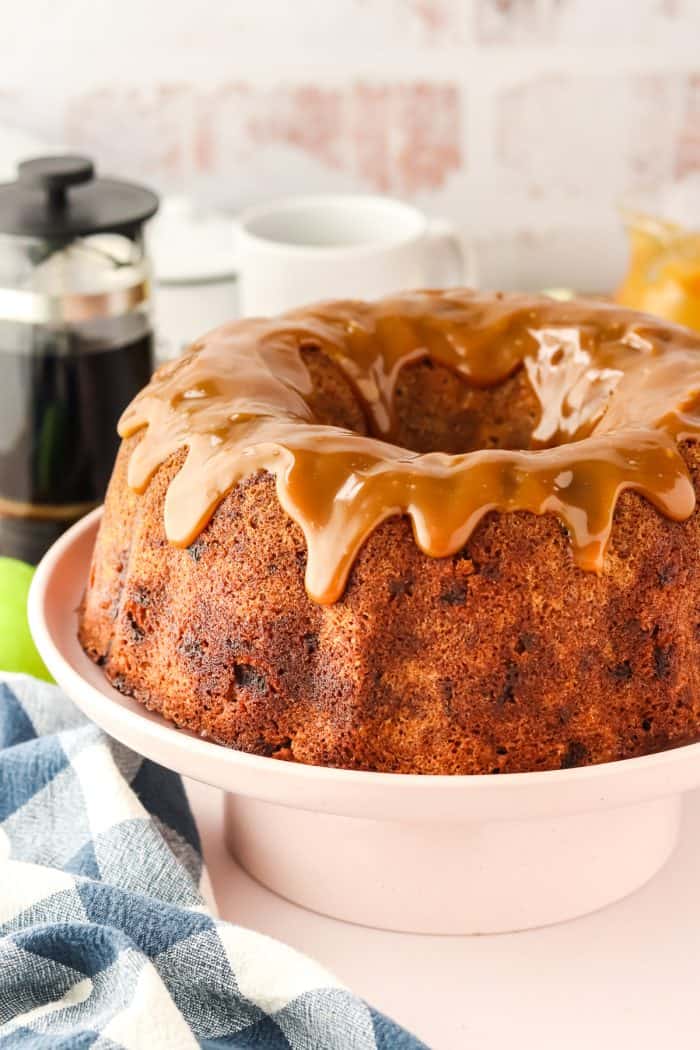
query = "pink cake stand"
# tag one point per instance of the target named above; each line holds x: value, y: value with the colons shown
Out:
x: 425, y: 854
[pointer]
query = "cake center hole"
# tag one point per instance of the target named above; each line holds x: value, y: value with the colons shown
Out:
x: 436, y: 410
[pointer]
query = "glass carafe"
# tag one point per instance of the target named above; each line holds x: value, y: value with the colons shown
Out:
x: 75, y: 346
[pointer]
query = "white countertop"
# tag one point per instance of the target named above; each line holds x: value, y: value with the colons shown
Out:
x: 627, y: 976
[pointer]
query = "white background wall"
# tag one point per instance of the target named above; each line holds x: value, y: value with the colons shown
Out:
x: 522, y: 120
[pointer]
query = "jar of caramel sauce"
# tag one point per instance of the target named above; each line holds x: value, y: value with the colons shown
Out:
x: 663, y: 274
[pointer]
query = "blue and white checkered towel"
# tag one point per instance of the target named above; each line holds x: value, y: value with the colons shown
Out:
x: 105, y: 938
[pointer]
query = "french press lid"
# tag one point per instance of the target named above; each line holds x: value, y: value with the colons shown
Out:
x: 58, y: 198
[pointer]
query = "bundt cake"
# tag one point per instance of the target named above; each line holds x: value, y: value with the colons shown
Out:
x: 445, y: 532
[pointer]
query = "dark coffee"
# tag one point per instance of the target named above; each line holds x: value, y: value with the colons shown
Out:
x: 61, y: 394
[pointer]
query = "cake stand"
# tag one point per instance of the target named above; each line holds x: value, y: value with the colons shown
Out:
x: 425, y: 854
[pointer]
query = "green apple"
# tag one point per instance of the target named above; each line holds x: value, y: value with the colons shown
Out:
x: 17, y: 649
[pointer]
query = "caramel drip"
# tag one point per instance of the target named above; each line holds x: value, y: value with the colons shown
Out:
x: 617, y: 390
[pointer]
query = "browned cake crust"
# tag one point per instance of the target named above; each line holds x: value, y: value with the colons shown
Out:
x: 505, y: 657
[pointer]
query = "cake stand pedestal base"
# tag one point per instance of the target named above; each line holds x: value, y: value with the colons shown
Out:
x: 452, y: 878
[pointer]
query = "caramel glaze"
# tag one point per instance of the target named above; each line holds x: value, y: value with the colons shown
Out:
x: 617, y: 390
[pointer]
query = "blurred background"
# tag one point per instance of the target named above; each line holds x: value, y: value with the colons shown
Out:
x: 522, y: 121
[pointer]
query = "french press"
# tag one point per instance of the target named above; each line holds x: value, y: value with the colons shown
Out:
x: 75, y: 341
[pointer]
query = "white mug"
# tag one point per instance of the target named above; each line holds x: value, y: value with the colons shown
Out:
x: 304, y: 249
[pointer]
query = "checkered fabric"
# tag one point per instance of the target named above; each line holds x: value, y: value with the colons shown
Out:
x: 105, y: 937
